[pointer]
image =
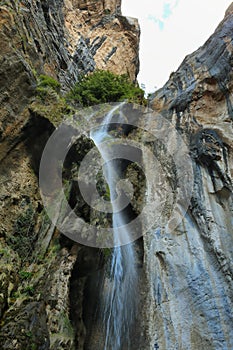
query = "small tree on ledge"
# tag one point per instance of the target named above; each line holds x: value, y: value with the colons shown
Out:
x: 103, y: 87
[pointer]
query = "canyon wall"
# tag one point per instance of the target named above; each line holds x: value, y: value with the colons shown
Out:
x: 64, y: 40
x: 189, y: 269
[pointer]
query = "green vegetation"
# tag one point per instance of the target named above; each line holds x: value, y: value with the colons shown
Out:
x: 45, y: 81
x: 29, y: 290
x: 23, y: 238
x: 107, y: 252
x: 55, y: 246
x: 95, y: 88
x: 23, y: 293
x: 28, y: 334
x: 102, y: 187
x: 107, y: 194
x: 25, y: 275
x: 67, y: 327
x: 49, y: 103
x: 104, y: 86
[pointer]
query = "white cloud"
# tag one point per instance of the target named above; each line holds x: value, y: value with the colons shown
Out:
x: 171, y: 29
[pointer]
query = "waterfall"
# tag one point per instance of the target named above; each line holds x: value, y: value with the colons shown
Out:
x: 120, y: 285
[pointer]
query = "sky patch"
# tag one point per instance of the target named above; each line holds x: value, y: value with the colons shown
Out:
x: 166, y: 12
x: 169, y: 32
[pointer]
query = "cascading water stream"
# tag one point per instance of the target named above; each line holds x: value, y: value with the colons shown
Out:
x: 120, y: 289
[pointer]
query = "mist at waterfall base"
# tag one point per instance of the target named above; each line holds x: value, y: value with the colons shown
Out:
x: 118, y: 305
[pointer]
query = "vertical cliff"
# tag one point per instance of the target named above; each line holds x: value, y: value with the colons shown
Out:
x: 61, y: 39
x: 189, y: 268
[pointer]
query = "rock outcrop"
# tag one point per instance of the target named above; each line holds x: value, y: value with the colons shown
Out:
x: 61, y: 39
x: 97, y: 29
x: 189, y: 270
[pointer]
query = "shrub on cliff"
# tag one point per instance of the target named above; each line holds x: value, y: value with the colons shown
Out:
x: 48, y: 101
x: 104, y: 86
x: 45, y: 81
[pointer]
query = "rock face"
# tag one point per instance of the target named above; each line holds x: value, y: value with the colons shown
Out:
x: 50, y: 285
x: 97, y: 29
x: 189, y: 270
x: 62, y: 39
